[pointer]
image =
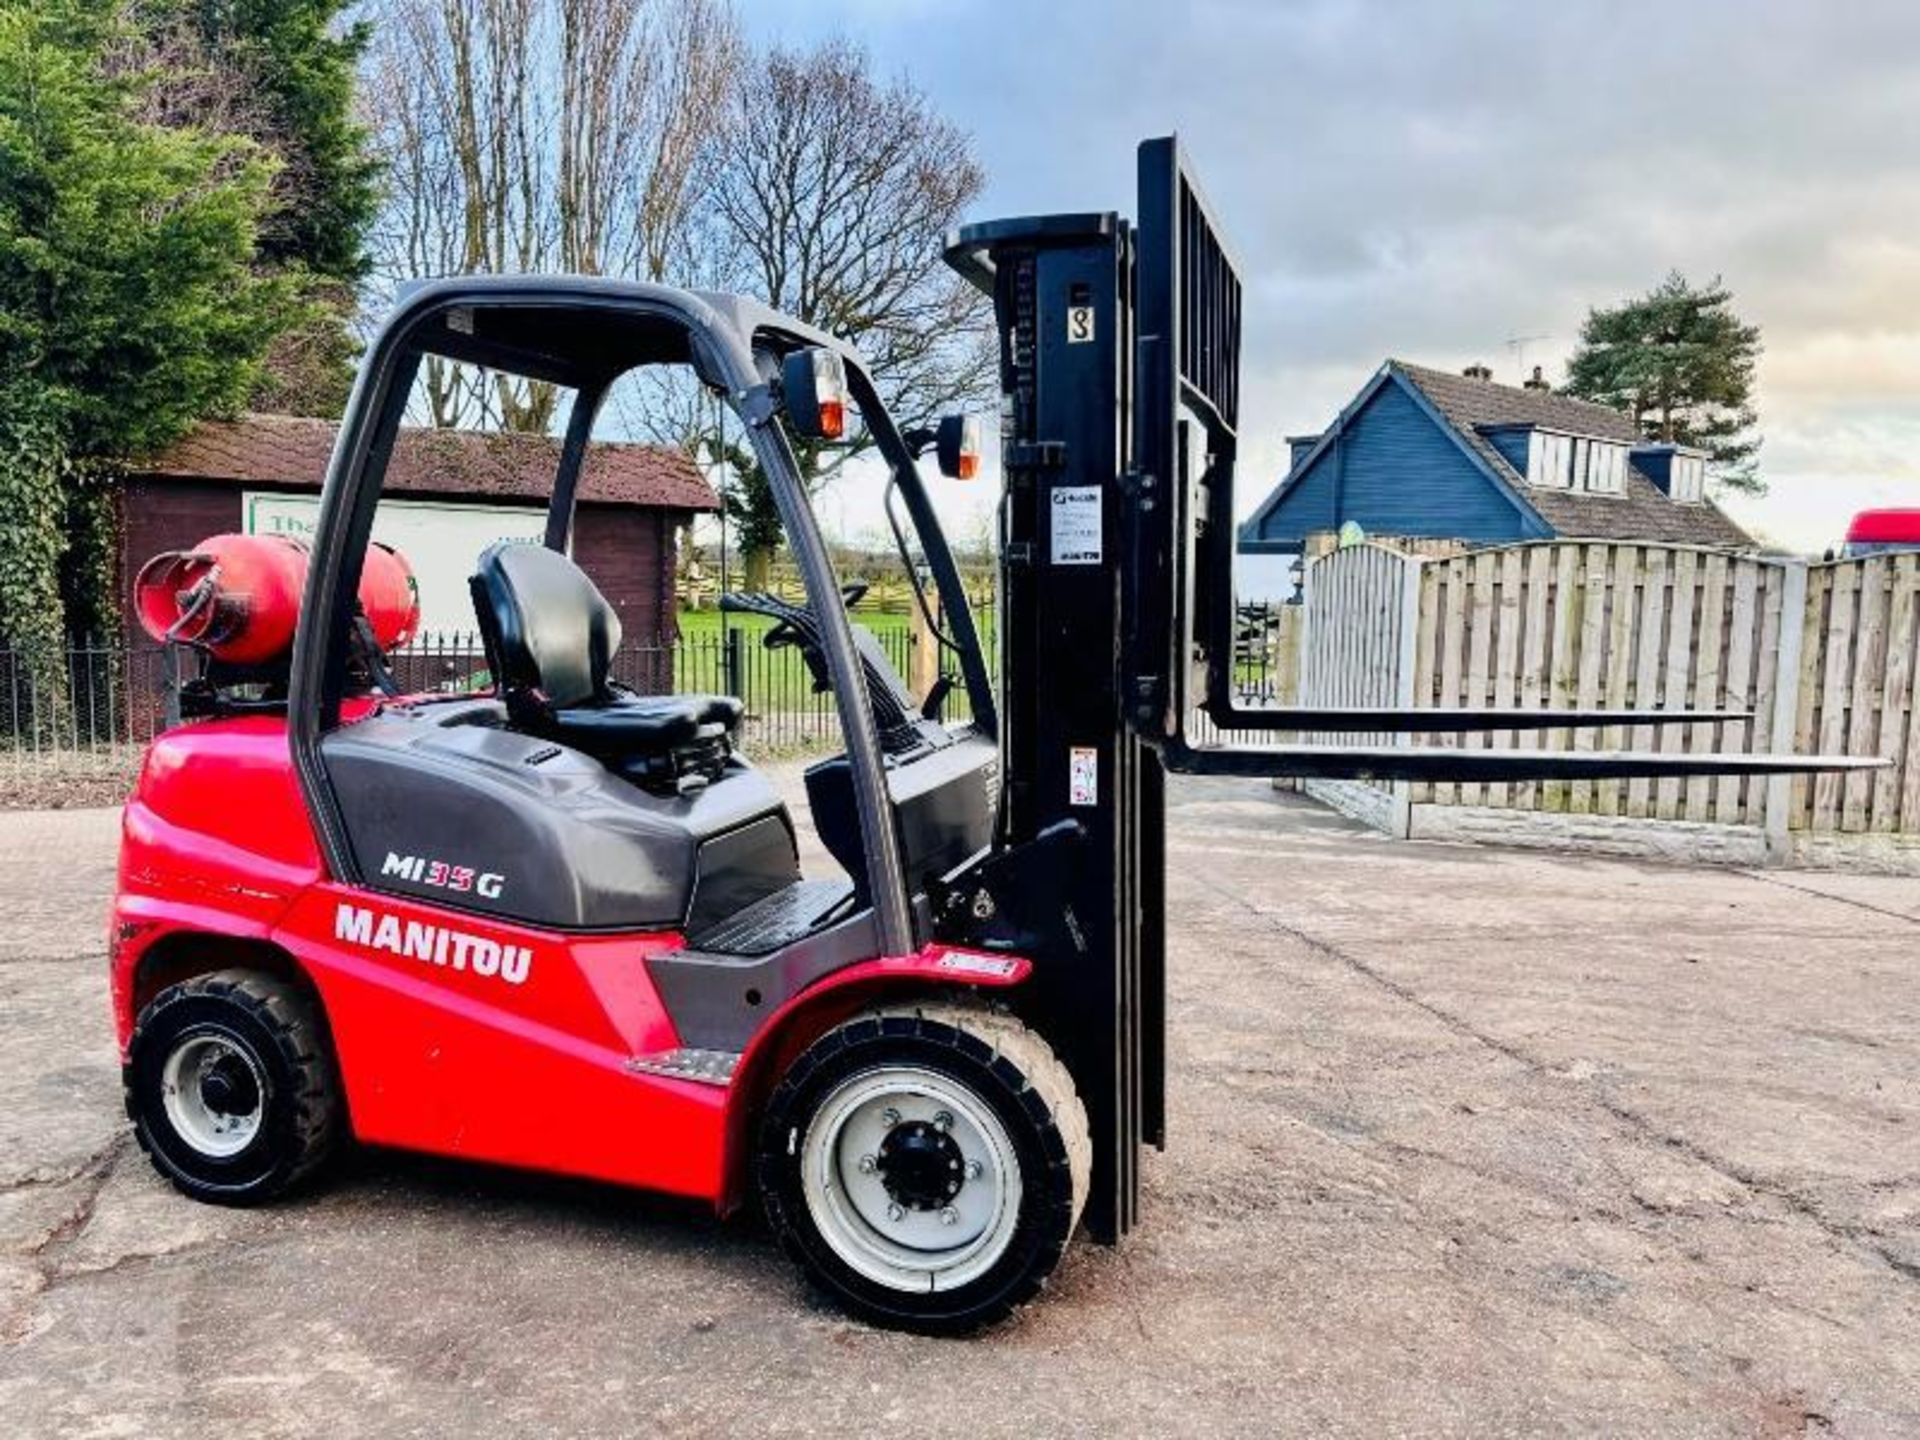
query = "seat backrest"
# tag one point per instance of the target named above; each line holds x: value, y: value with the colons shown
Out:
x: 547, y: 628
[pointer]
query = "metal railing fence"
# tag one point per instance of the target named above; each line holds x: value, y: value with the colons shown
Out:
x: 109, y: 698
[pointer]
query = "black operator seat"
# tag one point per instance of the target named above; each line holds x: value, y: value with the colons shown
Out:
x: 550, y: 637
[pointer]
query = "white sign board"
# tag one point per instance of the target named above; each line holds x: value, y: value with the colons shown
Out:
x: 441, y: 542
x: 1076, y: 525
x: 1083, y: 775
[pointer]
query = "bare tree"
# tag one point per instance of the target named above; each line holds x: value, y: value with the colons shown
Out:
x: 528, y: 135
x: 635, y: 138
x: 832, y: 201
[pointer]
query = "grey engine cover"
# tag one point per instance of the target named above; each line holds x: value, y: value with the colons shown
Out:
x: 557, y: 838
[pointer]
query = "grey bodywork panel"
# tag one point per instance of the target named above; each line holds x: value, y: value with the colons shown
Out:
x: 943, y: 802
x: 722, y: 987
x: 718, y: 1001
x: 533, y: 831
x: 740, y: 868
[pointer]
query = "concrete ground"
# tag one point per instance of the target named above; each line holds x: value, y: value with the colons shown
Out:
x: 1464, y: 1142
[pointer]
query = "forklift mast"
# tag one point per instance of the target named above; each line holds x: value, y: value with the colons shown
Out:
x: 1120, y: 416
x: 1062, y: 287
x: 1119, y: 360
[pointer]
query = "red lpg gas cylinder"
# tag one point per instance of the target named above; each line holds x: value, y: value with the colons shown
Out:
x: 238, y: 596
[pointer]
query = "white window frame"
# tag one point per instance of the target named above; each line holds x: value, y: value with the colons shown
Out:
x: 1606, y: 468
x: 1687, y: 478
x: 1550, y: 460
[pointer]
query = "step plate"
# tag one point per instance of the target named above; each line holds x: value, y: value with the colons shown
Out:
x: 775, y: 920
x: 704, y: 1067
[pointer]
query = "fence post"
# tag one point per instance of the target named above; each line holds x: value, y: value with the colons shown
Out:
x: 736, y: 666
x: 1406, y: 663
x: 922, y: 651
x: 1786, y: 704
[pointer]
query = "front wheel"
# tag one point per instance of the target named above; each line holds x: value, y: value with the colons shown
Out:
x: 926, y: 1164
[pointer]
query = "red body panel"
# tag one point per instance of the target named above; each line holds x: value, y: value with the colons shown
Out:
x: 214, y: 840
x: 457, y: 1034
x: 533, y: 1074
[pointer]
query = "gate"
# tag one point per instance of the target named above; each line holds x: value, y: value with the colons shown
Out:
x: 1362, y: 621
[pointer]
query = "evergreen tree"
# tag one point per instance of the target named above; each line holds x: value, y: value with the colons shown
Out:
x: 282, y: 74
x: 1681, y: 363
x: 131, y: 302
x: 297, y: 62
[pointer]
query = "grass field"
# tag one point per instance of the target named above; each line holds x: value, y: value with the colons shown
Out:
x: 776, y: 684
x: 697, y: 624
x: 772, y: 682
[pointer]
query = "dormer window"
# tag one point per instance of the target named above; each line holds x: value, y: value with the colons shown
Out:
x: 1550, y: 460
x: 1689, y: 483
x: 1676, y: 470
x: 1556, y: 461
x: 1606, y: 468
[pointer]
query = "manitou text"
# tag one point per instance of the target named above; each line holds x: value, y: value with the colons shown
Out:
x: 433, y: 944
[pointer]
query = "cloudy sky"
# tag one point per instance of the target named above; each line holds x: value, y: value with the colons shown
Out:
x: 1432, y: 180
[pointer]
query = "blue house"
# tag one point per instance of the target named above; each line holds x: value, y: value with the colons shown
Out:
x: 1427, y: 453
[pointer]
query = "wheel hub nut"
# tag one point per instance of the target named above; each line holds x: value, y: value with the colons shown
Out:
x: 227, y: 1088
x: 895, y: 1213
x: 973, y: 1169
x: 921, y: 1165
x: 949, y: 1216
x: 868, y: 1164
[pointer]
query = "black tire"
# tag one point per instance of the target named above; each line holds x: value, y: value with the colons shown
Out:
x: 1000, y: 1063
x: 275, y: 1037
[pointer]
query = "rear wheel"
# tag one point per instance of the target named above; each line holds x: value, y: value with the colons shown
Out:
x: 231, y: 1088
x: 926, y: 1164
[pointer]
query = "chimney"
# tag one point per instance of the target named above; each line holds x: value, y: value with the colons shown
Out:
x: 1537, y: 381
x: 1478, y: 372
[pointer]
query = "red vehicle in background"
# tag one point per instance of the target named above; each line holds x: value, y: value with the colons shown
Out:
x: 1879, y: 532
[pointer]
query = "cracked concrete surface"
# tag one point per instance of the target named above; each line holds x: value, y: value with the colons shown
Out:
x: 1463, y: 1142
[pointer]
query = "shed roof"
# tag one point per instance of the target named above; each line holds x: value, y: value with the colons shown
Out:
x: 1641, y: 512
x: 291, y: 450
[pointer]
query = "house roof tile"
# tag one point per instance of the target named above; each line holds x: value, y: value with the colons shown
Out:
x: 1641, y: 512
x: 289, y: 450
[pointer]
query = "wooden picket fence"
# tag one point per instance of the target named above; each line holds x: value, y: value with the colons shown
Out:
x: 1859, y: 694
x: 1822, y: 657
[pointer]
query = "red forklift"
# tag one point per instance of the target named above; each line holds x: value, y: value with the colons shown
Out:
x: 553, y: 924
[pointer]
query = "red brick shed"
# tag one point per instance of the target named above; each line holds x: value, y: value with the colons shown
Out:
x: 452, y: 488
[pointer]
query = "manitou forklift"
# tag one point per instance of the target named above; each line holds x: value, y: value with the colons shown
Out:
x: 545, y: 922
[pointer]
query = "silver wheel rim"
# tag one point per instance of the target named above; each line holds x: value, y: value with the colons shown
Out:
x: 895, y: 1245
x: 215, y: 1133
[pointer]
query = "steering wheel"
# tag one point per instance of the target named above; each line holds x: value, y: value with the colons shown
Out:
x: 783, y: 633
